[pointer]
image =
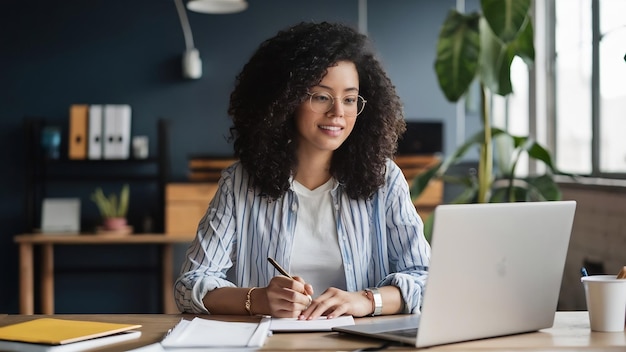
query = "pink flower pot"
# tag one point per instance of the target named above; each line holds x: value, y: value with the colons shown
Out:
x: 112, y: 224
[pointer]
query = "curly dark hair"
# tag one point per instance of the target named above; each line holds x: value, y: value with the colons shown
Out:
x: 275, y: 81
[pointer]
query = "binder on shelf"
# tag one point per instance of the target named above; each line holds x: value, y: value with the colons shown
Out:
x: 79, y: 113
x: 116, y: 128
x: 94, y: 143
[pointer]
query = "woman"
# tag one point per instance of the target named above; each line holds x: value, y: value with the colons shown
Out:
x: 315, y: 124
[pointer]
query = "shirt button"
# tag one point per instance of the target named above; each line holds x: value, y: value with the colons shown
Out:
x: 336, y: 206
x: 294, y: 207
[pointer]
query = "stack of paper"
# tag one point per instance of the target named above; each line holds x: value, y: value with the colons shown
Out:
x: 203, y: 333
x: 60, y: 335
x: 200, y: 334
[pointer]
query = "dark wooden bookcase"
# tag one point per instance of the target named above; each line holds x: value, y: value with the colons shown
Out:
x: 41, y: 172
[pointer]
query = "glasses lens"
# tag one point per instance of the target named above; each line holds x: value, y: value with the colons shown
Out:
x: 353, y: 105
x: 323, y: 102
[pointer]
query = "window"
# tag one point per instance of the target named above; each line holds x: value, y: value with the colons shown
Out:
x: 590, y: 87
x: 511, y: 112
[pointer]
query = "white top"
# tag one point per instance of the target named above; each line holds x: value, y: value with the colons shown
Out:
x: 316, y: 256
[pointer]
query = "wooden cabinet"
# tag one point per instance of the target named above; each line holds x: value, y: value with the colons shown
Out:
x: 413, y: 165
x: 185, y: 204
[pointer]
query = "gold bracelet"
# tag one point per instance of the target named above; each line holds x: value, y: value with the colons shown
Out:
x: 248, y: 302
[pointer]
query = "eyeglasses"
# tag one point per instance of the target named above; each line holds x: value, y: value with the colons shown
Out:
x: 322, y: 102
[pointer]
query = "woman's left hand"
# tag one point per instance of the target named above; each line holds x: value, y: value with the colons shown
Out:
x: 335, y: 302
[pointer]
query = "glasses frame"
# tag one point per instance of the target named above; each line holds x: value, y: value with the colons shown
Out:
x: 332, y: 98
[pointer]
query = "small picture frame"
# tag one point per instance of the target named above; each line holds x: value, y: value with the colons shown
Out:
x: 60, y: 215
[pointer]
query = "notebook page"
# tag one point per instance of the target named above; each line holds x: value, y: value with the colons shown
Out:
x: 320, y: 324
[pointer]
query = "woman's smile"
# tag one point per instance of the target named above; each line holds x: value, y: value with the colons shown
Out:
x: 331, y: 130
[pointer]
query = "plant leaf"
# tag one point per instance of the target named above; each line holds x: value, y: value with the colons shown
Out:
x: 506, y: 18
x: 458, y: 50
x: 123, y: 204
x: 495, y: 61
x: 475, y: 140
x: 524, y: 46
x: 428, y: 227
x: 501, y: 194
x: 113, y: 203
x: 536, y: 151
x: 469, y: 195
x: 546, y: 186
x: 420, y: 182
x: 111, y: 206
x: 503, y: 144
x: 528, y: 189
x: 102, y: 202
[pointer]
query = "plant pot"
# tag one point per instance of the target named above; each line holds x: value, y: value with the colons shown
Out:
x: 114, y: 224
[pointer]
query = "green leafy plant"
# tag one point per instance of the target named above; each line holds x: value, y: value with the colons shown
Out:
x: 482, y: 46
x: 113, y: 206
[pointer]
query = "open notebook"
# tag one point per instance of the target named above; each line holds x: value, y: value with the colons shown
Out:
x: 495, y: 270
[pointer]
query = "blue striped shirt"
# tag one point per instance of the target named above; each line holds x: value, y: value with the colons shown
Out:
x: 381, y: 240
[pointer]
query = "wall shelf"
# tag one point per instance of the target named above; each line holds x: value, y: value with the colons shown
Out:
x: 42, y: 172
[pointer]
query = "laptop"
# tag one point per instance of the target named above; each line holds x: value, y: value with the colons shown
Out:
x: 495, y: 270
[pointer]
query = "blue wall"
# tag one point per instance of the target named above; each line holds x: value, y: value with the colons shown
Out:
x: 57, y: 53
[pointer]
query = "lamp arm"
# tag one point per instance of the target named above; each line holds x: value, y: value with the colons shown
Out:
x: 184, y: 23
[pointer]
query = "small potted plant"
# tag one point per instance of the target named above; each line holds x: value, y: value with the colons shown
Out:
x: 113, y: 209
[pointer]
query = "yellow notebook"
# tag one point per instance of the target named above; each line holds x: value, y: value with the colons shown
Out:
x: 60, y: 331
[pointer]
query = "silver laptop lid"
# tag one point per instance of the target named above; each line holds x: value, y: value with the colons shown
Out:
x: 496, y: 269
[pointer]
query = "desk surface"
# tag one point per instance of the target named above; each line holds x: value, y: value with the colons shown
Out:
x: 569, y: 333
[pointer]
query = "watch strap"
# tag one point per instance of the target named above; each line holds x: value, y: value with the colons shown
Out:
x: 378, y: 300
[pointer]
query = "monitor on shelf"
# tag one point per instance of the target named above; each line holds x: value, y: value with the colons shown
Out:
x: 421, y: 137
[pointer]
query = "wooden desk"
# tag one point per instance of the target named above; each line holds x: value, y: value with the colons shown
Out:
x: 569, y: 333
x: 26, y: 243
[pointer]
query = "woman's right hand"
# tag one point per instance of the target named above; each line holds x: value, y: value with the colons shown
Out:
x: 287, y: 298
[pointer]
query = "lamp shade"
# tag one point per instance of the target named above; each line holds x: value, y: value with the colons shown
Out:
x: 217, y: 6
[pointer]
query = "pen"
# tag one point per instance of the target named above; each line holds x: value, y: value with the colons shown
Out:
x: 583, y: 271
x: 279, y: 268
x: 284, y: 272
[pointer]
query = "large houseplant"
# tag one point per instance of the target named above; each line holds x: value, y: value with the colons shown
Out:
x: 481, y: 46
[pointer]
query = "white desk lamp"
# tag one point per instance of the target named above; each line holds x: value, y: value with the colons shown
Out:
x: 217, y: 6
x: 192, y: 64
